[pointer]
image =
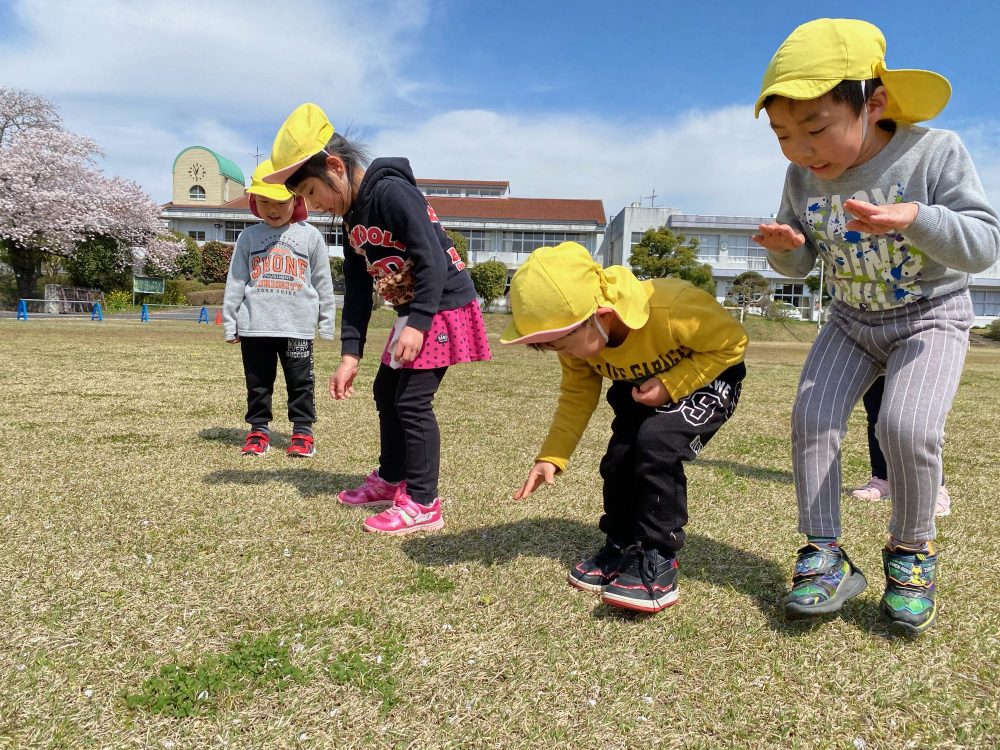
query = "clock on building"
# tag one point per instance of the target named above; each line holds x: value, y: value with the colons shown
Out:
x: 197, y: 171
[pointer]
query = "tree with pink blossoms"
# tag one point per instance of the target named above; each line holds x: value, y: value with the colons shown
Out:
x: 53, y: 197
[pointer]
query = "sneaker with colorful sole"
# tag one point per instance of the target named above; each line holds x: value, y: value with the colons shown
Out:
x: 256, y: 444
x: 302, y: 446
x: 909, y: 602
x: 373, y: 491
x: 406, y: 516
x: 824, y: 579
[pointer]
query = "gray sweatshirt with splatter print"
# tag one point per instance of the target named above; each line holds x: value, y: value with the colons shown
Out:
x: 956, y: 232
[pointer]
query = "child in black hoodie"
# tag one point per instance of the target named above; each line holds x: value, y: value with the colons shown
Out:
x: 396, y: 244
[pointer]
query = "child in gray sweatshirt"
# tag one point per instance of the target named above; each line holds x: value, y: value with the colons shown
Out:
x: 900, y: 219
x: 278, y: 291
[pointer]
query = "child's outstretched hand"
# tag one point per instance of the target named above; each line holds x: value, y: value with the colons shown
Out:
x: 409, y: 344
x: 779, y: 237
x: 342, y: 380
x: 651, y: 392
x: 542, y: 471
x: 874, y: 219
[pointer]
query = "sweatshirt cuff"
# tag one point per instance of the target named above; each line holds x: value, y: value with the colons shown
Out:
x: 419, y: 320
x: 924, y: 226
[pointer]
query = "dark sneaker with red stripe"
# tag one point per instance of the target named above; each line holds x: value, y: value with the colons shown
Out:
x: 256, y: 444
x: 596, y: 572
x: 647, y: 581
x: 302, y: 446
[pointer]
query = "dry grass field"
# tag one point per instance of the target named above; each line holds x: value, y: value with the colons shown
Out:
x: 159, y: 591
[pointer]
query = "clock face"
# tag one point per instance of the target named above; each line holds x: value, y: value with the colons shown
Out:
x: 197, y: 171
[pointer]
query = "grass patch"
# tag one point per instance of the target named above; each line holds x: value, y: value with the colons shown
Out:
x: 192, y: 689
x: 152, y: 561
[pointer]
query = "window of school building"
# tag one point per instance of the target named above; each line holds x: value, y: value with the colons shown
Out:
x: 233, y: 229
x: 197, y: 236
x: 708, y: 247
x: 525, y: 242
x: 333, y: 234
x: 793, y: 294
x: 986, y: 302
x: 196, y: 193
x: 479, y: 240
x: 742, y: 248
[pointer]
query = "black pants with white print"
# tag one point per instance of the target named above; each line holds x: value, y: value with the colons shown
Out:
x: 645, y: 489
x: 261, y: 355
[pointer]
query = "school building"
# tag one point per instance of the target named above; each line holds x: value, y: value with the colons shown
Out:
x: 209, y: 202
x: 725, y: 243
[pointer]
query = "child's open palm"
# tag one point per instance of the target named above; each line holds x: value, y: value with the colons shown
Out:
x: 779, y: 238
x: 874, y: 219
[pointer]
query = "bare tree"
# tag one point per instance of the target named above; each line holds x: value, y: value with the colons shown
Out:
x: 22, y: 110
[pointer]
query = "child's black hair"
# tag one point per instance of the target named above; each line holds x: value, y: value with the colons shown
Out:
x: 353, y: 153
x: 849, y: 93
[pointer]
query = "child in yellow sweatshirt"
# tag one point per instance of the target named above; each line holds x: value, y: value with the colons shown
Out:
x: 675, y: 359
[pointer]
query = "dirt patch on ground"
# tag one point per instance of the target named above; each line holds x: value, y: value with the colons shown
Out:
x: 977, y: 339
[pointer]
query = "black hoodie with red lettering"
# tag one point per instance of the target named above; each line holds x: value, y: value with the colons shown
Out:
x: 388, y: 224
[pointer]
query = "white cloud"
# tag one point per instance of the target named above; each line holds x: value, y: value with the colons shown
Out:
x: 703, y: 162
x: 148, y: 79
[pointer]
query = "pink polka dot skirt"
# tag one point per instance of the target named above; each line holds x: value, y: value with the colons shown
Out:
x: 455, y: 336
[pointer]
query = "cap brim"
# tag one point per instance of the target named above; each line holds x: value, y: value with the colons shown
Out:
x: 512, y: 336
x: 799, y: 89
x: 282, y: 175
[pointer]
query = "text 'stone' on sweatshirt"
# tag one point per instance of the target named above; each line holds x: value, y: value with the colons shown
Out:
x: 688, y: 341
x: 279, y: 284
x: 956, y: 232
x: 390, y: 223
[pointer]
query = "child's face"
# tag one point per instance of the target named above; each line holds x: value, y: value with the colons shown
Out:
x: 320, y: 196
x: 824, y: 135
x: 275, y: 213
x: 583, y: 342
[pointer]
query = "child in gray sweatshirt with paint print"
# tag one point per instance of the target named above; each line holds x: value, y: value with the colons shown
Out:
x: 899, y: 217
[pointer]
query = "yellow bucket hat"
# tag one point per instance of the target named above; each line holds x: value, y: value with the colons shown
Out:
x: 303, y: 135
x: 559, y: 287
x: 820, y: 54
x: 276, y: 192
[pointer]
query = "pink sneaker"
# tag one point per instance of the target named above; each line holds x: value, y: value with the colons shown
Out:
x: 942, y: 506
x: 406, y: 516
x: 373, y: 491
x: 874, y: 489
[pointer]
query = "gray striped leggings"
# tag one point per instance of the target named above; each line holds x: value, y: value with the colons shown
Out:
x: 921, y: 349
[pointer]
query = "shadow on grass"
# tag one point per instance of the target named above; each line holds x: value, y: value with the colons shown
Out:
x: 750, y: 472
x: 308, y: 482
x: 568, y: 541
x: 235, y: 436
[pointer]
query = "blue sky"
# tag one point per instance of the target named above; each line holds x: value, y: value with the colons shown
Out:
x: 564, y: 99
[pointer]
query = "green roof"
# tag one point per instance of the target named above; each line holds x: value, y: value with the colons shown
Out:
x: 226, y: 167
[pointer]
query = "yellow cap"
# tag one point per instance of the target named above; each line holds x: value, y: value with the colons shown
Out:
x: 559, y: 287
x: 259, y: 187
x: 820, y: 54
x: 303, y: 135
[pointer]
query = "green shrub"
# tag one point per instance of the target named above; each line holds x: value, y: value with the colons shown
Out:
x: 205, y: 297
x: 117, y: 301
x: 97, y: 264
x: 215, y: 257
x: 8, y: 290
x: 993, y: 332
x: 173, y: 294
x: 188, y: 262
x: 490, y: 280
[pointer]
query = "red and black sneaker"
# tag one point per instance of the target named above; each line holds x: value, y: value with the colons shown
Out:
x: 302, y: 446
x: 256, y: 444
